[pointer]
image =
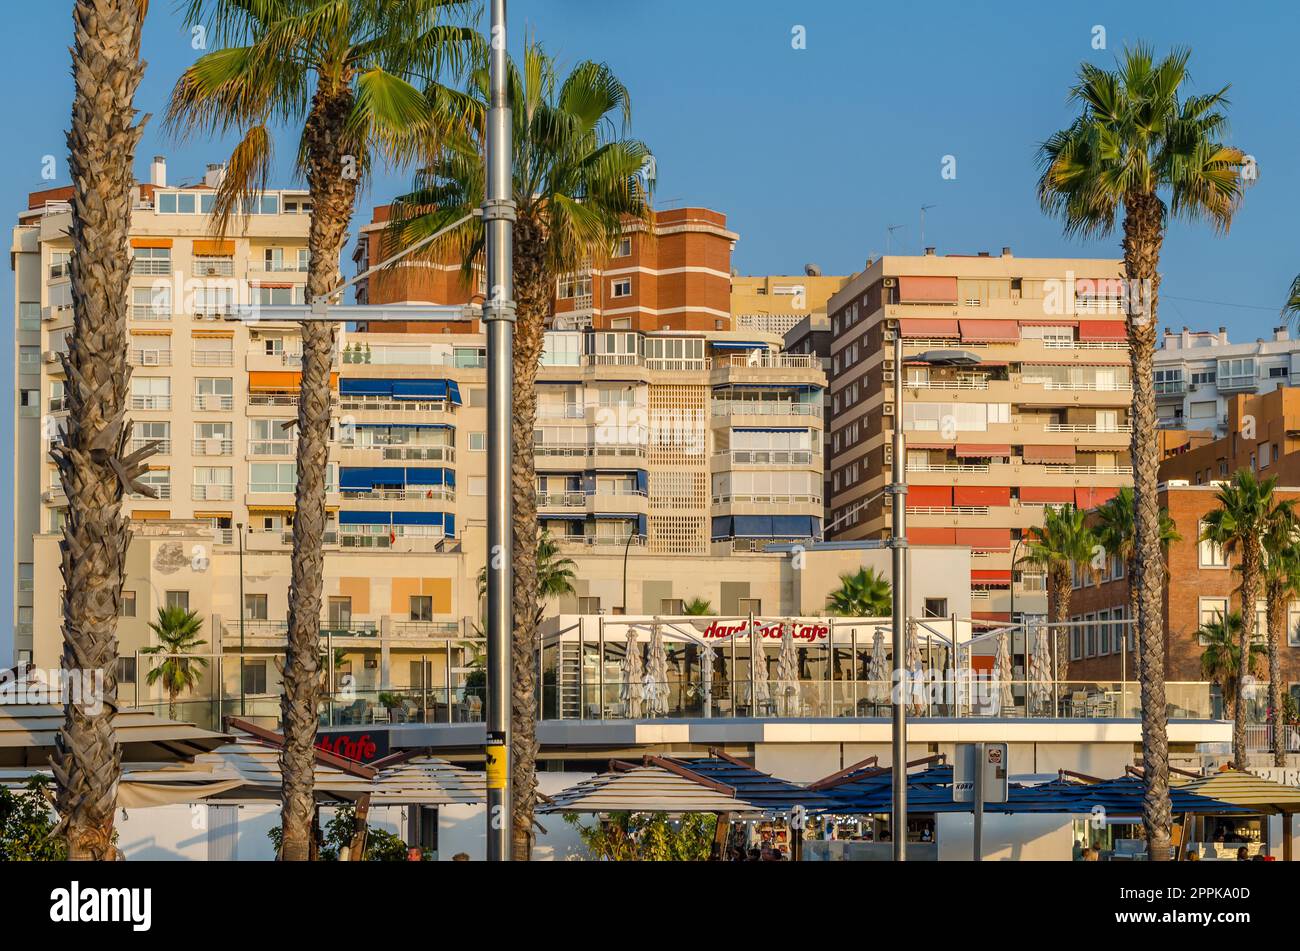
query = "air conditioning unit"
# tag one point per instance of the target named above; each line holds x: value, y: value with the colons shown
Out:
x: 148, y: 358
x: 50, y: 356
x: 889, y: 363
x: 889, y: 409
x: 47, y: 495
x: 213, y: 446
x: 888, y: 376
x: 888, y: 282
x: 47, y: 313
x: 888, y: 336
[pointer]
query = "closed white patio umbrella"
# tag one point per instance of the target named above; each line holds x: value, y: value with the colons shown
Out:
x: 758, y: 669
x: 878, y: 672
x: 632, y: 691
x: 1003, y: 667
x: 1040, y: 668
x: 657, y: 673
x: 787, y: 671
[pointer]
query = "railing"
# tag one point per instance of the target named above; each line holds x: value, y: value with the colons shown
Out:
x: 948, y: 510
x: 1055, y: 344
x: 791, y: 499
x: 945, y: 467
x: 1094, y: 387
x: 765, y: 408
x: 1090, y: 470
x: 273, y: 399
x: 213, y: 402
x: 562, y: 499
x: 272, y: 447
x: 164, y: 446
x: 439, y: 629
x: 283, y: 538
x: 58, y: 404
x: 151, y: 358
x: 678, y: 364
x: 417, y: 542
x: 151, y: 402
x: 213, y: 447
x: 1259, y: 737
x: 213, y: 267
x: 599, y: 541
x: 211, y: 492
x: 769, y: 360
x: 558, y: 411
x: 947, y: 384
x: 1087, y: 428
x: 769, y: 457
x: 615, y: 359
x: 162, y: 492
x: 151, y: 266
x: 212, y: 358
x: 382, y: 404
x: 400, y: 495
x: 427, y: 453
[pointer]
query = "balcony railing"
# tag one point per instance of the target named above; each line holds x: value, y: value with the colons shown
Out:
x: 560, y: 411
x: 599, y: 541
x: 151, y: 402
x: 213, y: 403
x: 561, y: 500
x: 150, y: 358
x: 213, y: 447
x: 151, y: 266
x: 769, y: 360
x: 947, y: 510
x: 947, y: 384
x: 946, y: 467
x: 164, y: 445
x: 212, y: 358
x: 1092, y: 387
x: 1088, y: 428
x: 211, y: 492
x: 1056, y: 344
x: 395, y: 494
x: 1090, y: 470
x: 729, y: 499
x: 765, y: 408
x: 162, y: 491
x: 272, y: 447
x: 768, y: 457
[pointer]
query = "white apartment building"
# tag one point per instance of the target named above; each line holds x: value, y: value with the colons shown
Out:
x: 1197, y: 372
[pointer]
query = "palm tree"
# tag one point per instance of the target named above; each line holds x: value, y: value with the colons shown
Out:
x: 1062, y: 543
x: 576, y: 184
x: 177, y: 631
x: 1142, y: 148
x: 1281, y: 583
x: 91, y: 454
x: 345, y: 72
x: 1246, y: 513
x: 555, y: 575
x: 1114, y: 530
x: 862, y: 593
x: 1221, y: 658
x: 697, y: 607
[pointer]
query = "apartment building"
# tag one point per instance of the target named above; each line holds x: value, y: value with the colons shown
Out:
x: 1198, y: 373
x: 776, y: 303
x: 668, y: 448
x: 1262, y: 435
x: 1201, y: 583
x: 1016, y: 396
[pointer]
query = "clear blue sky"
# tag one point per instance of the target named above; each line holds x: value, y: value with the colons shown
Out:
x: 812, y: 153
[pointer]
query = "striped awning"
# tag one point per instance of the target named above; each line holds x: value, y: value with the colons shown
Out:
x: 1246, y: 789
x: 649, y: 788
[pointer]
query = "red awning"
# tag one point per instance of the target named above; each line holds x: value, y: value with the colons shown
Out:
x: 927, y: 290
x: 976, y: 449
x: 930, y: 496
x: 1102, y: 330
x: 1041, y: 454
x: 921, y: 327
x: 1093, y: 496
x: 1050, y: 322
x: 1049, y: 495
x: 928, y: 445
x: 931, y: 536
x: 987, y: 576
x: 985, y: 539
x: 982, y: 495
x: 990, y: 331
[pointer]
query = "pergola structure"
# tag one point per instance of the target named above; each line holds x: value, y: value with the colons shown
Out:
x: 28, y: 733
x: 1254, y: 793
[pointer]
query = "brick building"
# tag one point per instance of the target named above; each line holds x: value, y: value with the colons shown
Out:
x: 1200, y: 582
x: 1263, y: 434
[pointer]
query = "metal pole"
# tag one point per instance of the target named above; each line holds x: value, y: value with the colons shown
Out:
x: 499, y: 315
x: 898, y: 549
x: 978, y: 833
x: 239, y: 527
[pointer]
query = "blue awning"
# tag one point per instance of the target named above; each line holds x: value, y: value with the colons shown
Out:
x: 764, y: 526
x: 738, y: 345
x: 362, y: 478
x: 365, y: 518
x: 404, y: 426
x: 419, y: 389
x: 561, y: 517
x: 800, y: 387
x: 418, y: 518
x: 420, y: 475
x: 351, y: 386
x: 770, y: 429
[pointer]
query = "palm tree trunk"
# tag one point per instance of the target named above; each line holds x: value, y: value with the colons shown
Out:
x: 332, y: 185
x: 1246, y: 636
x: 1061, y: 582
x: 1276, y: 627
x: 533, y: 305
x: 1143, y: 234
x: 90, y: 456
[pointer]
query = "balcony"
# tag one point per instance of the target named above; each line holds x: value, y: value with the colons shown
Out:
x: 212, y: 492
x: 1170, y: 389
x: 272, y: 447
x: 562, y: 500
x: 1087, y: 428
x: 212, y: 358
x: 162, y: 491
x: 766, y: 408
x: 141, y: 357
x: 768, y: 360
x: 768, y: 457
x: 151, y: 402
x: 729, y: 499
x: 561, y: 411
x: 213, y: 447
x: 1237, y: 384
x: 404, y: 494
x: 151, y: 266
x: 150, y: 312
x: 163, y: 447
x: 213, y: 403
x: 585, y: 542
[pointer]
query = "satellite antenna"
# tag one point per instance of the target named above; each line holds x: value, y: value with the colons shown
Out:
x: 924, y: 209
x: 889, y: 236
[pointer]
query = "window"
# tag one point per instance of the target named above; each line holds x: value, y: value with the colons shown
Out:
x: 1211, y: 555
x: 340, y: 614
x: 624, y: 247
x: 421, y: 607
x: 1278, y: 373
x: 126, y: 670
x: 178, y: 599
x: 749, y: 606
x: 589, y: 605
x: 478, y: 485
x: 936, y: 607
x: 1261, y: 621
x: 29, y: 359
x: 126, y: 608
x: 621, y: 288
x: 29, y: 401
x: 255, y: 607
x: 1293, y: 624
x: 25, y: 576
x: 254, y: 677
x: 1210, y: 610
x: 478, y: 442
x: 672, y: 606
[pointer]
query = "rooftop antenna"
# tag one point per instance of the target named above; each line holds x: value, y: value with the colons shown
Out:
x: 924, y: 209
x: 889, y: 236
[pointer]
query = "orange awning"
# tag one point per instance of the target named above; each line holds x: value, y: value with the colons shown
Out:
x: 927, y: 290
x: 982, y: 495
x: 150, y: 515
x: 151, y: 242
x: 985, y: 539
x: 224, y: 334
x: 1102, y: 330
x: 930, y: 496
x: 1048, y: 495
x: 1040, y: 454
x: 978, y: 450
x: 142, y: 332
x: 931, y: 536
x: 214, y: 248
x: 281, y: 380
x: 921, y: 327
x: 1093, y: 496
x: 991, y: 576
x: 990, y: 331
